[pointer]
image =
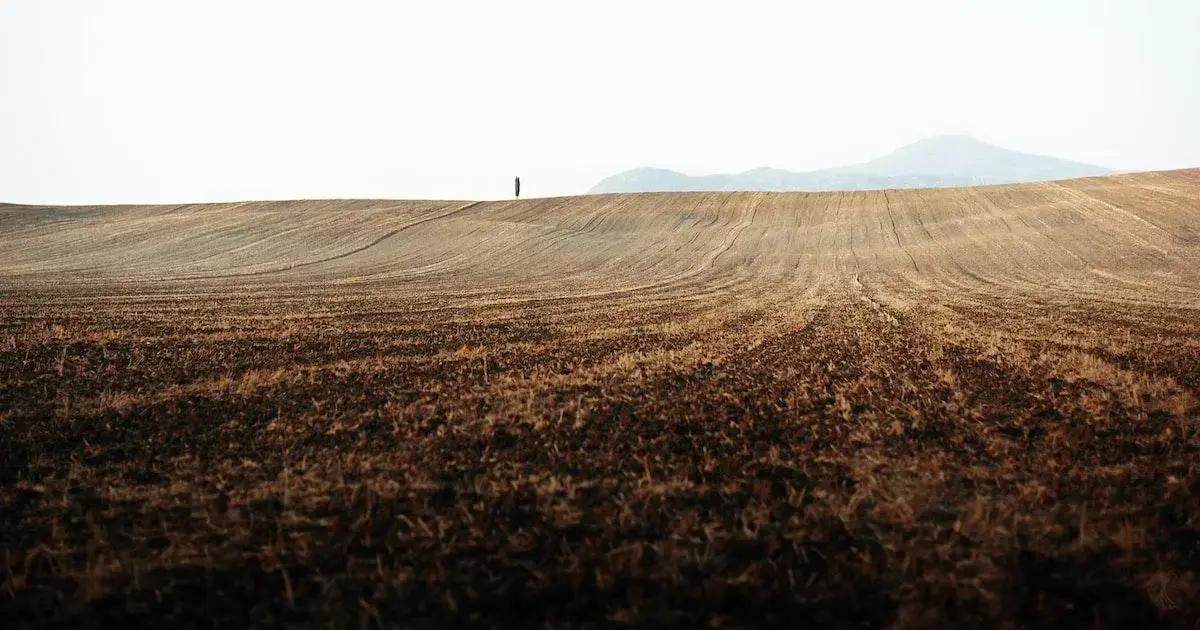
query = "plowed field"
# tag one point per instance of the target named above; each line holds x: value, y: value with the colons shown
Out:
x: 914, y: 408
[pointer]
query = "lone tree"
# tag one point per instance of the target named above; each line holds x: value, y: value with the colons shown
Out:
x: 517, y: 185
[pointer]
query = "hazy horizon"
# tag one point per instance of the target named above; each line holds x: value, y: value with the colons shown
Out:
x: 140, y: 101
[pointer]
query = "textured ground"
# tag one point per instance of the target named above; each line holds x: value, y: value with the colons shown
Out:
x: 952, y: 406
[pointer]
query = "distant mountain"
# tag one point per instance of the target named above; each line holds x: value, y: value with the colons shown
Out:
x: 935, y: 162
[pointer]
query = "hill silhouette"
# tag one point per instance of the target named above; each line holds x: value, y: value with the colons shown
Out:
x: 937, y: 162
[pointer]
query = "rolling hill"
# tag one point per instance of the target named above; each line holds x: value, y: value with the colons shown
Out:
x: 1124, y: 224
x: 937, y: 162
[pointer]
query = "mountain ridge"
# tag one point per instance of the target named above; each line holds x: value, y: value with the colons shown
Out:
x: 935, y: 162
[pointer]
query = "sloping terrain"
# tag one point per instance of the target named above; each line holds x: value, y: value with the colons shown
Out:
x: 910, y: 407
x: 935, y: 162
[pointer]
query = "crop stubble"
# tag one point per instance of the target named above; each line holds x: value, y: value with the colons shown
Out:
x: 885, y: 407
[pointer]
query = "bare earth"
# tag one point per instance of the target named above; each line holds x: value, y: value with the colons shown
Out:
x: 954, y: 407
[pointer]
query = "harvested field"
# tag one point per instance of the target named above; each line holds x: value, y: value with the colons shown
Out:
x: 913, y: 408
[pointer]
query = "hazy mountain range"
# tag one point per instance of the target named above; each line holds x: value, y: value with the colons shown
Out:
x: 930, y: 163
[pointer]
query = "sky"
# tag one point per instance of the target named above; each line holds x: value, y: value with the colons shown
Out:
x: 125, y: 101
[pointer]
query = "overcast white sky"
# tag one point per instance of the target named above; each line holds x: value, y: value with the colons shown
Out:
x: 161, y: 100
